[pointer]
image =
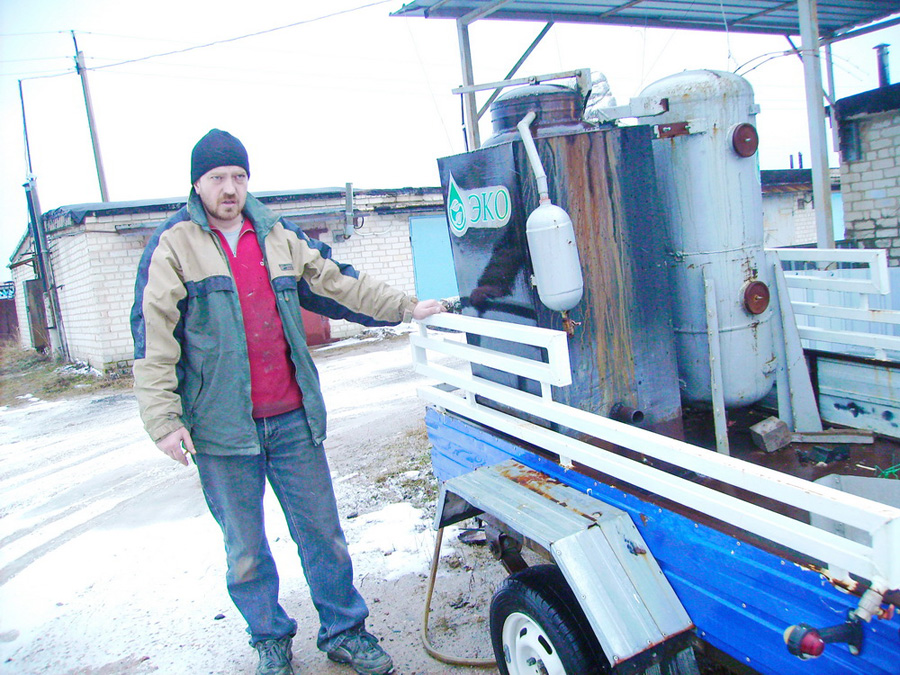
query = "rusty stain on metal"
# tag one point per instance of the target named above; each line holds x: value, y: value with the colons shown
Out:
x: 542, y: 484
x: 587, y: 162
x: 847, y: 585
x: 672, y: 130
x: 635, y: 549
x: 891, y: 598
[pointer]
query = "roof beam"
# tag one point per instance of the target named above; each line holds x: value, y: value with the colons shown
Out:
x: 775, y: 8
x: 485, y: 11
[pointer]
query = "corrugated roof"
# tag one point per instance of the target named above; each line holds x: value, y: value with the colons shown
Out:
x: 836, y: 17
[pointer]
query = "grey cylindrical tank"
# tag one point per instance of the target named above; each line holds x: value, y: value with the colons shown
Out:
x: 708, y: 175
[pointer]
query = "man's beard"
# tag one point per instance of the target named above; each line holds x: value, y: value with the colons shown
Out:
x: 224, y: 211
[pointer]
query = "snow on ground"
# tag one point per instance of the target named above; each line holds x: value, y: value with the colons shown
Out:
x: 111, y: 564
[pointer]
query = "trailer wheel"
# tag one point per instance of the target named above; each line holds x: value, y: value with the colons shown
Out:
x: 538, y: 628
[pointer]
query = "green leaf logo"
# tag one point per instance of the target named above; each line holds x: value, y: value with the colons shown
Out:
x: 456, y: 209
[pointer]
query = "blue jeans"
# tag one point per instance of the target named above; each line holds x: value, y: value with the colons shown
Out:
x: 298, y: 473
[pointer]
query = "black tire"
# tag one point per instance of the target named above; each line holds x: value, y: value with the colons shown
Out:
x: 538, y: 628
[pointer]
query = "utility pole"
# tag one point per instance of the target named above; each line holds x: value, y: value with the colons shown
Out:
x: 82, y: 72
x: 44, y: 269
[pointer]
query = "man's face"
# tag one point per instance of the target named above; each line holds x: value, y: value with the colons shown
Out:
x: 223, y: 191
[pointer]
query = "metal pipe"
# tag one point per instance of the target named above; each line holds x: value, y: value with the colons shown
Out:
x: 45, y: 268
x: 470, y: 108
x: 831, y: 95
x: 884, y: 71
x: 809, y: 40
x: 540, y: 176
x: 626, y: 414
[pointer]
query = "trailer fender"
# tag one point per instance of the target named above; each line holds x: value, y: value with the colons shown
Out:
x: 625, y: 596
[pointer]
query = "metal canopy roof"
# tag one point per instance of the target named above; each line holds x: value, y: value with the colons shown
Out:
x: 836, y: 18
x: 817, y: 22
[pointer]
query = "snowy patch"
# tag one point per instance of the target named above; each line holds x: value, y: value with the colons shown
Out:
x: 78, y: 368
x: 398, y: 540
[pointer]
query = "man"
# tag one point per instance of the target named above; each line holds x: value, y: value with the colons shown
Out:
x: 222, y: 374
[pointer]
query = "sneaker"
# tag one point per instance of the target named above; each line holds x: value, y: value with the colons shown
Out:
x: 274, y: 657
x: 361, y: 650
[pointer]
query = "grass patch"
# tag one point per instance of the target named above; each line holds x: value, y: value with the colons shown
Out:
x: 26, y: 373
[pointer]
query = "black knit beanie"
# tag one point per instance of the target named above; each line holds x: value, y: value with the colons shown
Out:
x: 217, y: 148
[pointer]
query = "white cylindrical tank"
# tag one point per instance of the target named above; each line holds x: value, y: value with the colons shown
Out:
x: 554, y: 257
x: 708, y: 175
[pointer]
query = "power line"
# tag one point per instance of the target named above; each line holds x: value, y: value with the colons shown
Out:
x: 38, y: 76
x: 45, y: 32
x: 38, y: 58
x: 243, y: 37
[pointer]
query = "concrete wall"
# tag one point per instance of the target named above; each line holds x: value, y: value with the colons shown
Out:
x: 871, y: 185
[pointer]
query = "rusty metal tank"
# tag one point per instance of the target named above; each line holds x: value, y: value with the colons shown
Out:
x: 622, y: 348
x: 558, y: 111
x: 707, y: 171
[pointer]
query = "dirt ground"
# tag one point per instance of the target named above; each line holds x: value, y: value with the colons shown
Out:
x: 110, y: 563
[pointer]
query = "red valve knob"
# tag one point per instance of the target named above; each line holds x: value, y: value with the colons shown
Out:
x: 811, y: 644
x: 804, y: 641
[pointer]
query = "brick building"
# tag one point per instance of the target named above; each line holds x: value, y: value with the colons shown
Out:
x: 869, y: 127
x: 94, y: 251
x: 789, y: 214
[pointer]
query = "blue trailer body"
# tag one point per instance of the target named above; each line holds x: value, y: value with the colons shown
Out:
x: 740, y: 597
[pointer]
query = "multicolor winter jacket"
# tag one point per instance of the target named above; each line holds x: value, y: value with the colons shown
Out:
x: 190, y: 356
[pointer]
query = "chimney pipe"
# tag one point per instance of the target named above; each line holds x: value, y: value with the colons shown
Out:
x: 884, y: 72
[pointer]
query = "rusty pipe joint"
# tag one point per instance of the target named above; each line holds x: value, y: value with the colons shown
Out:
x: 626, y: 414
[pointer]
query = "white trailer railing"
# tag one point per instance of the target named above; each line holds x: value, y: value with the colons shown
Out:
x: 834, y: 301
x: 878, y: 559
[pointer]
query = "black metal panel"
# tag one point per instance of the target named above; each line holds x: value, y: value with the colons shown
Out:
x: 622, y: 351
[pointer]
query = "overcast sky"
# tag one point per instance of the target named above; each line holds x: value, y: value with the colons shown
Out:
x: 344, y: 95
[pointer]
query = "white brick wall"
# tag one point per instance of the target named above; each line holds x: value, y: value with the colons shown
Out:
x: 871, y: 186
x: 95, y: 266
x: 95, y: 269
x: 381, y: 248
x: 788, y: 219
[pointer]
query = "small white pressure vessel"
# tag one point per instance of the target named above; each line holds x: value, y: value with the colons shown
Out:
x: 554, y: 257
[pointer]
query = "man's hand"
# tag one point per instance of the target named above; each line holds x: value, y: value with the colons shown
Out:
x: 428, y: 307
x: 177, y: 445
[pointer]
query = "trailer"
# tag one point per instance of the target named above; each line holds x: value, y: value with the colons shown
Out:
x: 655, y: 542
x: 619, y: 329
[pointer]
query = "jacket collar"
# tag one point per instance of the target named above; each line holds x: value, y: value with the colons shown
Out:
x: 260, y: 215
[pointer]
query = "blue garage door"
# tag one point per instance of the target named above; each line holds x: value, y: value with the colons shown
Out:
x: 432, y: 259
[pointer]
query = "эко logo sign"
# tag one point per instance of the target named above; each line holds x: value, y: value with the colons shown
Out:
x: 487, y: 207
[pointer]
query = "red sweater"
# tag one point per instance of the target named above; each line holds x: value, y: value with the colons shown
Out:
x: 273, y: 387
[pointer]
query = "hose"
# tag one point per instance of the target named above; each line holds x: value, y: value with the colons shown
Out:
x: 434, y: 653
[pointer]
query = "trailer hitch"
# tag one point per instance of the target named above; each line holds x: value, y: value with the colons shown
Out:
x: 807, y: 642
